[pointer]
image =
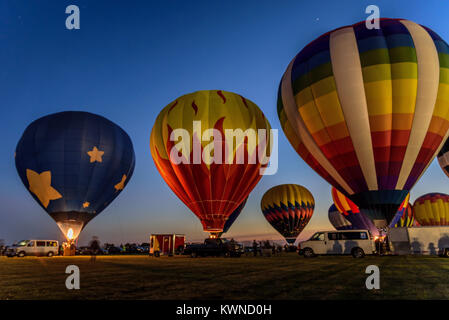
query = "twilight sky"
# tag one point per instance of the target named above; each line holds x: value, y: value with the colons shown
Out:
x: 130, y: 59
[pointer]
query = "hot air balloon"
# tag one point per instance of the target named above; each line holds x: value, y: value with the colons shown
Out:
x: 443, y: 157
x: 234, y: 216
x: 74, y: 164
x: 192, y: 163
x: 367, y: 109
x: 404, y: 217
x: 432, y: 209
x: 352, y: 213
x: 337, y: 219
x: 288, y: 208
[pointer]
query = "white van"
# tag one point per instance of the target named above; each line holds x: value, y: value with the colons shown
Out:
x: 354, y: 242
x: 47, y: 248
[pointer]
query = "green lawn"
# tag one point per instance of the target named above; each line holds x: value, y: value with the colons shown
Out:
x: 284, y: 277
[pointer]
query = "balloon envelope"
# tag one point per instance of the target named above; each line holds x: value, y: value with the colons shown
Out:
x: 405, y: 217
x: 74, y: 164
x: 288, y: 208
x: 443, y: 157
x: 211, y: 189
x: 234, y: 215
x: 337, y: 219
x: 366, y: 109
x: 352, y: 213
x: 432, y: 209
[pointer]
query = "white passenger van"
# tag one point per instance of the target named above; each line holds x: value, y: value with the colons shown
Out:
x: 354, y: 242
x: 47, y: 248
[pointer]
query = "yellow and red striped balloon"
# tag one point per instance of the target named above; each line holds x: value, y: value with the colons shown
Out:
x: 288, y: 208
x: 432, y: 209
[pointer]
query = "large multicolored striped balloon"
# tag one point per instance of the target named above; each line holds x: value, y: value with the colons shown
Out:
x: 369, y: 109
x: 432, y: 209
x: 208, y: 177
x: 352, y: 213
x: 404, y: 217
x: 337, y: 219
x: 288, y: 208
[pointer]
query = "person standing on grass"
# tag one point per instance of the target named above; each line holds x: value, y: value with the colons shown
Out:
x: 255, y: 248
x: 94, y: 246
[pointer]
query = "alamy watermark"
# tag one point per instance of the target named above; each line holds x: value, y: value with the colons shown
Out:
x: 240, y: 147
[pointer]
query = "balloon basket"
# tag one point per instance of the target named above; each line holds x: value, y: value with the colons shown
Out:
x: 69, y: 249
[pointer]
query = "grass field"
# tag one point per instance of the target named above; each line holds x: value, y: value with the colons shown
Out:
x: 283, y: 277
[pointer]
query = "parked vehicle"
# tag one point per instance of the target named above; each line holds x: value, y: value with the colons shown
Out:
x: 166, y: 244
x: 88, y: 251
x: 357, y: 243
x: 34, y: 248
x: 113, y: 250
x: 430, y: 240
x: 215, y: 247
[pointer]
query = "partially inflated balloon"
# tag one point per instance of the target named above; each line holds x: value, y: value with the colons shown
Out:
x: 288, y: 208
x: 74, y: 164
x: 352, y: 213
x: 368, y: 109
x: 432, y: 209
x: 404, y: 217
x: 337, y: 219
x: 211, y: 174
x: 234, y: 215
x: 443, y: 157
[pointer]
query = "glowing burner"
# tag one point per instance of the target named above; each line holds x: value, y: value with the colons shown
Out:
x: 70, y: 234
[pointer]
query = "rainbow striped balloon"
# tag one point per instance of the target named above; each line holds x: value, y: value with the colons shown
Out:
x: 369, y: 109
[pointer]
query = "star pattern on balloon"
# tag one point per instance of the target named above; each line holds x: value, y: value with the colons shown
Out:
x: 86, y: 204
x: 95, y: 155
x: 40, y: 185
x: 121, y: 184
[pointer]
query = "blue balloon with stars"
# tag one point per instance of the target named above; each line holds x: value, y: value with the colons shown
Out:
x: 74, y: 164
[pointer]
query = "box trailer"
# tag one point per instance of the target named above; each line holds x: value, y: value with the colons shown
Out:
x: 166, y: 244
x: 432, y: 240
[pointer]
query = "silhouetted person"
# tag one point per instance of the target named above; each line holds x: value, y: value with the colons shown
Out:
x: 443, y: 243
x: 94, y: 246
x: 337, y: 247
x: 255, y: 247
x: 416, y: 246
x: 432, y: 249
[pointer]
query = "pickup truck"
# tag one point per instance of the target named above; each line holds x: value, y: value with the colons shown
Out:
x: 214, y: 247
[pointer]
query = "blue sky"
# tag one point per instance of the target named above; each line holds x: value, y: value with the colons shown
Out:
x: 130, y: 59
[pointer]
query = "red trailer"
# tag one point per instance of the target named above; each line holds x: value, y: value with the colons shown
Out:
x: 166, y: 244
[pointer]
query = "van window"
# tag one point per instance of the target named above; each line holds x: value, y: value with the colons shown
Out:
x: 40, y: 243
x: 354, y: 236
x: 332, y: 236
x: 51, y: 244
x: 319, y: 236
x: 30, y: 244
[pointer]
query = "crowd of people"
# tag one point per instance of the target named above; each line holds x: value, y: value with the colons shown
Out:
x: 261, y: 247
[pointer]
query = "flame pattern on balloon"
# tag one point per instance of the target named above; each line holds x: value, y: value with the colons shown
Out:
x: 432, y: 209
x: 211, y: 191
x: 368, y: 109
x: 288, y: 208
